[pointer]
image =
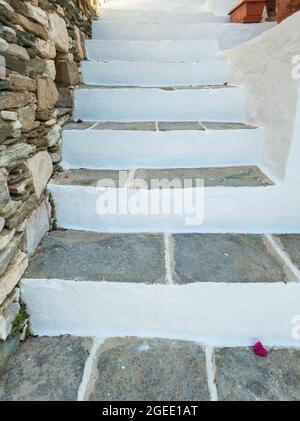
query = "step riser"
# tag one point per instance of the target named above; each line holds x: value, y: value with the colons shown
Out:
x: 155, y: 74
x: 228, y: 35
x: 97, y: 149
x: 235, y: 209
x: 160, y: 105
x: 150, y: 31
x: 157, y: 51
x: 136, y: 16
x: 216, y: 314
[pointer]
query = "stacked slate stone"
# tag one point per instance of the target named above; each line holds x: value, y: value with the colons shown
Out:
x: 41, y: 46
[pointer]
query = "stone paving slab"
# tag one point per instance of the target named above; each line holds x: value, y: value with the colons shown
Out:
x: 212, y: 177
x: 46, y: 369
x: 211, y: 125
x: 79, y: 126
x: 224, y: 258
x: 164, y: 88
x: 83, y: 255
x: 242, y: 376
x: 291, y: 244
x: 85, y: 177
x: 225, y: 177
x: 150, y: 369
x: 161, y: 126
x: 138, y: 125
x: 179, y: 125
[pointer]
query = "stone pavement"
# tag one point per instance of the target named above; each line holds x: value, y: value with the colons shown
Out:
x: 83, y: 255
x: 55, y: 369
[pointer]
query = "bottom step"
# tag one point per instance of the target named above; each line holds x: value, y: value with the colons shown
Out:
x: 143, y: 369
x: 223, y: 290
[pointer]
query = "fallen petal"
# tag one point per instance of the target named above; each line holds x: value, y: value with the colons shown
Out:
x: 260, y: 350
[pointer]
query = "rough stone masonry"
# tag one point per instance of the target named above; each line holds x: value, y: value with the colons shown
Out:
x: 41, y: 45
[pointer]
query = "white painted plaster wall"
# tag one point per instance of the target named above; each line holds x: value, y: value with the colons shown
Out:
x: 263, y: 65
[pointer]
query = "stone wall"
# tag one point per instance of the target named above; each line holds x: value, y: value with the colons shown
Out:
x: 41, y: 46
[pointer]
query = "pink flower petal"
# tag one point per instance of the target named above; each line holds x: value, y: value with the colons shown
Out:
x: 260, y: 350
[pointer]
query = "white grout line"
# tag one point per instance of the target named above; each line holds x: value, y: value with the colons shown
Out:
x: 168, y: 257
x: 89, y: 369
x: 283, y: 256
x: 211, y: 373
x: 94, y: 125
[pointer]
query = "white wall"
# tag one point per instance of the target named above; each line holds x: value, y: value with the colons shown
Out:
x: 264, y: 66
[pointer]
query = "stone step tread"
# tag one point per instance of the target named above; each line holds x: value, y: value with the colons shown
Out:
x: 162, y: 88
x: 158, y: 126
x: 141, y: 258
x: 147, y: 369
x: 246, y: 176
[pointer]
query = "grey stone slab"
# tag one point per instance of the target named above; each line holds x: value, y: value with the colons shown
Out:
x: 7, y: 350
x: 224, y: 258
x: 212, y: 125
x: 83, y: 255
x: 133, y: 126
x: 84, y: 177
x: 179, y: 125
x: 150, y: 369
x: 291, y: 244
x: 46, y: 369
x: 242, y: 376
x: 78, y: 126
x: 212, y: 177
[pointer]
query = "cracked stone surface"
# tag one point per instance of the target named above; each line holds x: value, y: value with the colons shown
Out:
x: 150, y: 369
x: 83, y: 255
x: 211, y: 125
x: 224, y: 258
x: 139, y: 125
x: 291, y: 244
x: 46, y: 369
x: 179, y: 125
x: 242, y: 376
x: 84, y: 177
x: 226, y: 177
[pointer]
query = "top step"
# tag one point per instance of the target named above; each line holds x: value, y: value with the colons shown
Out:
x: 158, y: 16
x: 145, y: 5
x: 229, y: 35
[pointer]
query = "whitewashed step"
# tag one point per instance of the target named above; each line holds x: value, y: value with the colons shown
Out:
x: 154, y: 5
x: 158, y: 51
x: 236, y: 199
x: 155, y: 32
x: 158, y: 16
x: 229, y: 35
x: 203, y: 287
x: 159, y: 145
x: 154, y: 74
x: 218, y: 103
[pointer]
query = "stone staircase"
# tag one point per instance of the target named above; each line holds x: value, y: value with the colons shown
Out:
x: 156, y: 106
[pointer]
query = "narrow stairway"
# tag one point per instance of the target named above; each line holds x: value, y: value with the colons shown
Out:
x: 180, y: 295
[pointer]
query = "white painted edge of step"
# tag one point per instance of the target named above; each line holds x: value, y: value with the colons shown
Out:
x: 215, y: 314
